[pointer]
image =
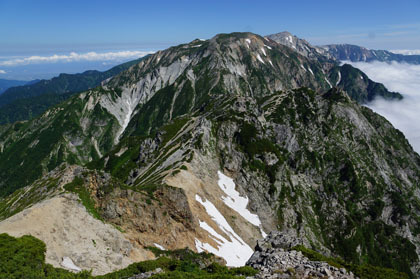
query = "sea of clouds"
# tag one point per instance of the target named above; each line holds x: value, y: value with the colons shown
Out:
x: 403, y: 78
x: 48, y: 66
x: 74, y: 56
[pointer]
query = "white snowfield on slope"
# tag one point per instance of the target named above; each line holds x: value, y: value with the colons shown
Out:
x: 236, y: 202
x: 235, y: 251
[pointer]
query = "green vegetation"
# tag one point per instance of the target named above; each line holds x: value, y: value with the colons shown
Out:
x: 28, y: 101
x: 252, y: 145
x: 77, y: 186
x: 364, y: 271
x: 26, y: 197
x: 28, y: 108
x: 25, y: 258
x: 350, y: 79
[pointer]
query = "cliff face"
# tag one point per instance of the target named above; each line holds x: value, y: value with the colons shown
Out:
x: 212, y: 144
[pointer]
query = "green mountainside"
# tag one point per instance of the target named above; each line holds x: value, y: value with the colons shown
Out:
x: 311, y: 160
x: 27, y: 260
x: 6, y: 83
x: 28, y: 101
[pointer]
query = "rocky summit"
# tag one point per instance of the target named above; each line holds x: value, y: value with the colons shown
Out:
x: 211, y: 145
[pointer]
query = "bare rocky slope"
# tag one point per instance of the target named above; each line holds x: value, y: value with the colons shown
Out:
x: 340, y: 52
x: 212, y: 144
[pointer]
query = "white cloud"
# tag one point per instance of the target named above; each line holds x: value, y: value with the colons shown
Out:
x: 406, y: 51
x: 2, y: 71
x: 73, y: 56
x: 403, y: 78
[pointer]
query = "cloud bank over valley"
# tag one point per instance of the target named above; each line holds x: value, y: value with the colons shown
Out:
x: 403, y: 78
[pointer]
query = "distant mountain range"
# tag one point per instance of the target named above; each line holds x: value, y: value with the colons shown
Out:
x: 7, y: 83
x: 340, y: 52
x: 30, y: 100
x: 345, y: 52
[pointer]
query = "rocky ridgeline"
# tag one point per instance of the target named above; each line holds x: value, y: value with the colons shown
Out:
x: 274, y: 259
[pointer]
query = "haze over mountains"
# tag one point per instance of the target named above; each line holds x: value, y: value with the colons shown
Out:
x: 6, y: 84
x: 28, y: 101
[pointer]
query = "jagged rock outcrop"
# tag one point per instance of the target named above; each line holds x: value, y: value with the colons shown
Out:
x: 301, y: 46
x: 274, y: 258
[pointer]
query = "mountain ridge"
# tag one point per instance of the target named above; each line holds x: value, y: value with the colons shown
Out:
x: 157, y: 143
x: 341, y: 52
x: 353, y: 53
x: 27, y: 101
x: 7, y: 83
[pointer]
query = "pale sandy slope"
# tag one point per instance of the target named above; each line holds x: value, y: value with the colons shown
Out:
x: 70, y: 231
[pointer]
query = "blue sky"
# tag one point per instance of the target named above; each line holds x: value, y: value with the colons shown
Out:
x: 46, y: 27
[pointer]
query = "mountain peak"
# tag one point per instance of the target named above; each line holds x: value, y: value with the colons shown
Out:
x: 300, y: 45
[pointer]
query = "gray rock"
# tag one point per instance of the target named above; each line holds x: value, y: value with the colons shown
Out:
x: 147, y: 274
x: 274, y: 259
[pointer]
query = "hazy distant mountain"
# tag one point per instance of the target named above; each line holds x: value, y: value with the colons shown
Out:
x: 24, y: 102
x: 341, y: 52
x: 33, y: 81
x: 355, y: 53
x: 7, y: 83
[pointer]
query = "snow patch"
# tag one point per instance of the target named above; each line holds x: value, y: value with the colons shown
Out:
x: 235, y: 201
x: 68, y: 263
x: 259, y: 59
x: 339, y: 78
x: 310, y: 70
x: 159, y: 246
x: 263, y: 51
x: 248, y: 42
x: 235, y: 251
x: 271, y: 63
x: 269, y: 47
x: 329, y: 83
x: 121, y: 152
x: 303, y: 67
x: 95, y: 145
